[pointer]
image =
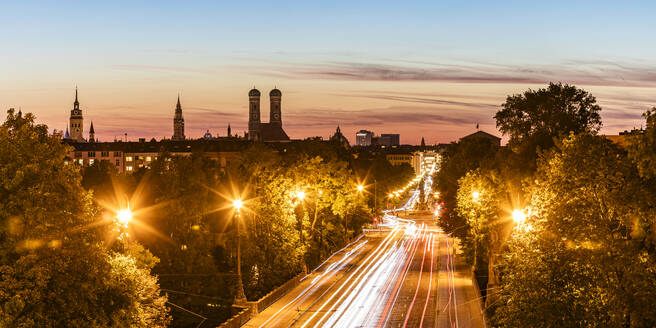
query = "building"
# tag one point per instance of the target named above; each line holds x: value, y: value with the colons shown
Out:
x: 266, y: 132
x: 76, y: 122
x: 364, y: 138
x: 128, y: 157
x: 92, y: 133
x: 339, y: 137
x: 390, y: 140
x: 178, y: 123
x: 480, y: 134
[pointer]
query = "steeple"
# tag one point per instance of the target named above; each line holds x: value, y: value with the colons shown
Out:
x: 67, y: 135
x: 229, y: 132
x: 92, y: 133
x: 76, y: 104
x: 76, y: 121
x: 178, y: 122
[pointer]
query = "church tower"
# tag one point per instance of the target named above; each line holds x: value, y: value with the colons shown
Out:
x: 275, y: 117
x: 254, y: 115
x: 92, y: 133
x: 76, y: 122
x: 178, y: 123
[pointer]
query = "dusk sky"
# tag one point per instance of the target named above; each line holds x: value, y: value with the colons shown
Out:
x: 418, y: 68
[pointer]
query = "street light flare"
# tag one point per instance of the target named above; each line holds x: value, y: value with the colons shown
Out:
x: 476, y: 195
x: 360, y: 187
x: 519, y: 216
x: 124, y: 216
x: 300, y: 194
x: 237, y: 204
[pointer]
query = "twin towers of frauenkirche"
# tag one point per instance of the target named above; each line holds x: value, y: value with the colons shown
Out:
x: 257, y: 131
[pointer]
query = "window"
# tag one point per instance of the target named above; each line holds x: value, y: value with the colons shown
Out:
x: 128, y: 168
x: 128, y: 158
x: 91, y: 160
x: 104, y: 154
x: 118, y: 163
x: 78, y: 154
x: 80, y: 161
x: 117, y: 154
x: 148, y: 159
x: 91, y: 154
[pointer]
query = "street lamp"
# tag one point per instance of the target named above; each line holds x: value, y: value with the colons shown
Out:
x: 476, y: 195
x: 124, y: 216
x: 240, y: 297
x: 360, y: 187
x: 519, y: 216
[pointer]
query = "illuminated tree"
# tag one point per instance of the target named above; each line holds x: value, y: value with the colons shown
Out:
x: 54, y: 268
x: 585, y: 262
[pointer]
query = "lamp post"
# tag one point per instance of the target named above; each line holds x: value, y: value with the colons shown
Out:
x: 240, y: 297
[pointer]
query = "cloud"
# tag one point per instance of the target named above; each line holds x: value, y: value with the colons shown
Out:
x: 583, y: 73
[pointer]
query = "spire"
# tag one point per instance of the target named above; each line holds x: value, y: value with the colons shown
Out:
x: 76, y: 104
x: 67, y: 135
x: 178, y: 106
x: 20, y: 112
x: 229, y: 131
x: 338, y: 130
x: 91, y: 128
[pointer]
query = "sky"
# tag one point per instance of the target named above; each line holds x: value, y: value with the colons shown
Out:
x: 430, y: 69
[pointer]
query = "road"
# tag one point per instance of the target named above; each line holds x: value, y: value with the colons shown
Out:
x: 403, y: 275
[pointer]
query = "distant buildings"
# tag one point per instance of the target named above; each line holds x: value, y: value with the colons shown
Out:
x: 480, y: 134
x: 389, y: 140
x: 339, y: 137
x: 365, y: 138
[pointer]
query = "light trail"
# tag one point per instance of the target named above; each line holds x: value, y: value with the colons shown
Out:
x: 397, y: 288
x: 430, y: 282
x: 375, y: 254
x: 332, y: 269
x: 414, y: 298
x: 358, y: 278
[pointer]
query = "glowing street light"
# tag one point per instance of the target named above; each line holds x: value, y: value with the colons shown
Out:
x: 360, y: 187
x: 300, y: 194
x: 476, y: 195
x: 237, y: 204
x: 519, y: 216
x: 124, y: 216
x: 240, y: 298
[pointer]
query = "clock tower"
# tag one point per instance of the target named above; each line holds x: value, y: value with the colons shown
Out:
x: 76, y: 121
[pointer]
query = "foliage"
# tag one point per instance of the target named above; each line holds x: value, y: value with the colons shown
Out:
x: 535, y: 118
x: 642, y: 149
x: 459, y: 159
x: 584, y: 260
x: 54, y: 267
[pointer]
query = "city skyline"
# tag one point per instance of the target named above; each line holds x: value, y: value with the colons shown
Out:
x: 129, y: 69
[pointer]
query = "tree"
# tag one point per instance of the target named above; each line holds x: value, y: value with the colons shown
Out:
x: 583, y: 260
x: 533, y: 119
x: 459, y: 159
x: 54, y: 268
x: 642, y: 149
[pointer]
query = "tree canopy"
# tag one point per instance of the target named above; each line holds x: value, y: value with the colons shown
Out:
x: 55, y: 269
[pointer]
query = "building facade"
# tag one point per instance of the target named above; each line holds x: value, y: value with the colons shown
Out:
x: 364, y: 138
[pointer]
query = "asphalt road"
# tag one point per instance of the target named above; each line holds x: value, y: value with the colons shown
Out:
x: 405, y: 275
